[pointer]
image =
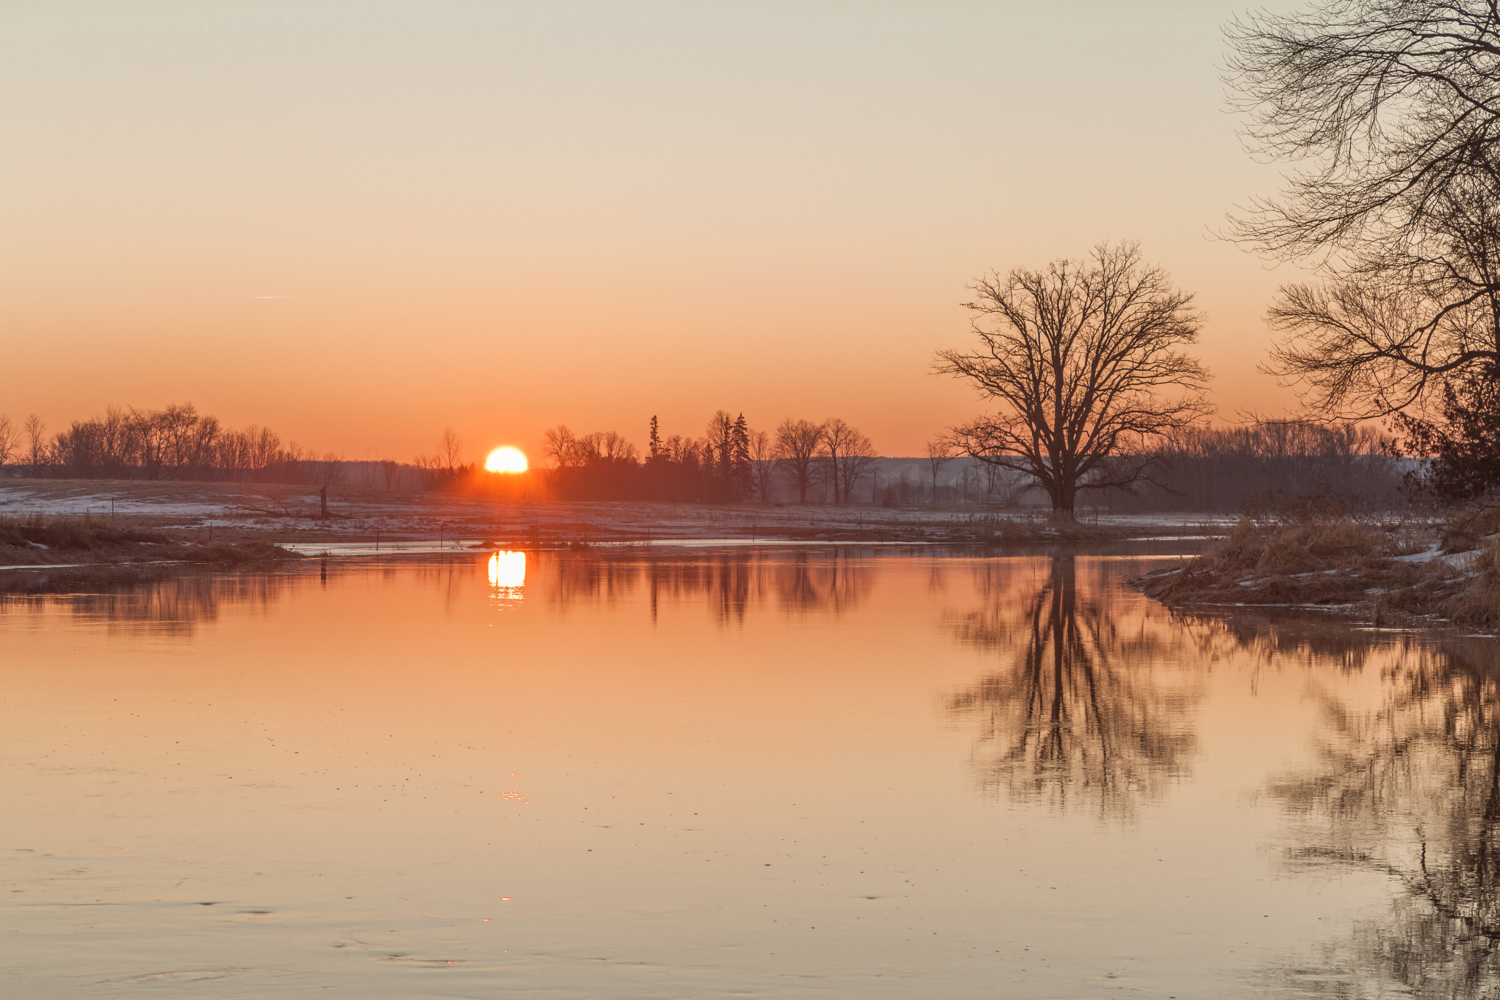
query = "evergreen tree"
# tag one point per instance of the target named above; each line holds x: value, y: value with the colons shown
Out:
x: 1465, y: 445
x: 719, y: 458
x: 739, y: 460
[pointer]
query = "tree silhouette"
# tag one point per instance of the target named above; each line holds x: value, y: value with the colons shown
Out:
x: 1387, y: 113
x: 1084, y: 360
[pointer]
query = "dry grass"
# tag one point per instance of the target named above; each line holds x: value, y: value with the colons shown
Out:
x: 71, y: 535
x: 1472, y: 598
x: 1347, y: 562
x: 41, y: 541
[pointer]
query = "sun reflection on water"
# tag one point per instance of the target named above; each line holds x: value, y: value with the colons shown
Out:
x: 507, y: 572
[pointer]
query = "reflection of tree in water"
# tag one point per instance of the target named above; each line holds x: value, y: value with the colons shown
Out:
x: 1079, y: 718
x: 733, y: 581
x: 829, y: 580
x: 1411, y: 789
x: 1283, y: 640
x: 169, y: 605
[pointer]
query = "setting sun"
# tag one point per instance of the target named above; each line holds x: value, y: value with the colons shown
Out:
x: 506, y: 459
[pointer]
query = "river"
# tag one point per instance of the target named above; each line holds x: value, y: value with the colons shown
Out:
x: 841, y: 772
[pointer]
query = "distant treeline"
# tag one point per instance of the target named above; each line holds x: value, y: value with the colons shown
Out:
x: 1202, y: 469
x: 177, y: 442
x: 731, y: 463
x: 1221, y: 469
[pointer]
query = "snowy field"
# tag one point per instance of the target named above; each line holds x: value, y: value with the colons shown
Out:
x: 360, y: 519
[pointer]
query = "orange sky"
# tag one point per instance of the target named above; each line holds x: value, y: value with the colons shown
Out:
x: 361, y: 222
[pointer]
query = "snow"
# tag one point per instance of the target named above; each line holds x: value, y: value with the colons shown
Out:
x: 1458, y: 560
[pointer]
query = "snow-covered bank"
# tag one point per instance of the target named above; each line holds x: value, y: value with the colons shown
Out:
x: 360, y: 517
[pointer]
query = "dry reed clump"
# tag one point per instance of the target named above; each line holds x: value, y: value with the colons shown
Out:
x: 1303, y: 548
x: 1299, y: 547
x: 43, y: 541
x: 1339, y: 559
x: 82, y: 535
x: 1471, y: 527
x: 1472, y: 597
x: 239, y: 552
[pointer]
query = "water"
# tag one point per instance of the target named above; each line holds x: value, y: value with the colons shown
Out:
x: 739, y: 773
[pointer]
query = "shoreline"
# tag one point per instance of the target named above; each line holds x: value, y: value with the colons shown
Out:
x: 204, y: 513
x: 1415, y: 575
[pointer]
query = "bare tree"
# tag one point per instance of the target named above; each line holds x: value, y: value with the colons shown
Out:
x: 939, y: 454
x: 605, y: 446
x: 857, y: 459
x: 796, y: 448
x: 389, y: 471
x: 763, y: 464
x: 10, y: 437
x: 838, y: 437
x: 720, y: 437
x: 1393, y: 107
x: 265, y: 449
x: 328, y: 470
x: 1084, y: 360
x: 450, y: 450
x: 35, y: 444
x: 560, y: 447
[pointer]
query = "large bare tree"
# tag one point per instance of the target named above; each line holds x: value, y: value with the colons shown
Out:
x: 35, y: 446
x: 796, y: 449
x: 1085, y: 361
x: 838, y: 437
x: 560, y: 446
x: 939, y: 454
x: 450, y: 449
x: 855, y: 461
x: 1391, y: 110
x: 762, y: 464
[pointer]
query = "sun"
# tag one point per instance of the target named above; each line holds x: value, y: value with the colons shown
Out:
x: 506, y: 459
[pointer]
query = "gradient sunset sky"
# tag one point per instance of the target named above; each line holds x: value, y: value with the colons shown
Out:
x: 361, y: 222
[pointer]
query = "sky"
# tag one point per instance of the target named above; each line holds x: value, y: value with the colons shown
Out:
x: 361, y: 222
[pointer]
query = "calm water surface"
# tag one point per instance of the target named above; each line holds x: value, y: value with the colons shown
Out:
x: 834, y: 773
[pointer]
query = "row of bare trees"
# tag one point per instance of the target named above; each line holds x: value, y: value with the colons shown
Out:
x: 1226, y: 468
x: 833, y: 452
x: 174, y: 442
x: 26, y: 443
x: 731, y: 462
x: 1201, y: 468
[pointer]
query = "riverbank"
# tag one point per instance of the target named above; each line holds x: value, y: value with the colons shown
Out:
x: 72, y: 542
x: 277, y: 515
x: 1409, y: 573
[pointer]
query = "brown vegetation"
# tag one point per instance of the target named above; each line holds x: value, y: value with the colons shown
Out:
x: 1393, y: 572
x: 52, y: 541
